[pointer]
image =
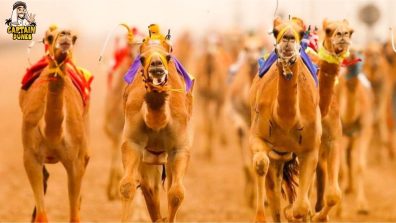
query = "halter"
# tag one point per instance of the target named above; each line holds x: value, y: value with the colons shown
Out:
x: 146, y: 79
x: 330, y: 57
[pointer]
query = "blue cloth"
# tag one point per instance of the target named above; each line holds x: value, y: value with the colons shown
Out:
x: 131, y: 73
x: 265, y: 65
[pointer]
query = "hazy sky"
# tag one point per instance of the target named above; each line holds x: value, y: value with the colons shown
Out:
x: 97, y: 17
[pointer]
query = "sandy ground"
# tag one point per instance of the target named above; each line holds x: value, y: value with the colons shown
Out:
x: 214, y: 188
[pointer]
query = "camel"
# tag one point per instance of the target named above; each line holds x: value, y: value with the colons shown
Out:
x: 379, y: 72
x: 55, y: 124
x: 332, y: 52
x: 212, y: 67
x: 114, y: 113
x: 285, y: 126
x: 356, y: 108
x: 237, y: 103
x: 157, y: 133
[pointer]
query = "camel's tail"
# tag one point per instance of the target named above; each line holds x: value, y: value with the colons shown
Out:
x: 290, y: 172
x: 45, y: 180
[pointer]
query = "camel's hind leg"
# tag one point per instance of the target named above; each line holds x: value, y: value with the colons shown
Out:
x: 150, y: 185
x: 115, y: 172
x: 273, y: 188
x: 34, y: 170
x: 75, y: 173
x: 260, y: 164
x: 332, y: 188
x: 358, y: 155
x: 131, y: 158
x: 177, y: 164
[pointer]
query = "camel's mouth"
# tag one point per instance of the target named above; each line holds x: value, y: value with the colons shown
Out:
x: 158, y: 76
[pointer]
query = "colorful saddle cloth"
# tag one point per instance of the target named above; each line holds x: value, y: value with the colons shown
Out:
x: 80, y: 77
x: 136, y: 65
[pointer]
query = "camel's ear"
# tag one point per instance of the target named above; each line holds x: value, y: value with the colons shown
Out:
x: 299, y: 22
x: 49, y: 38
x: 168, y: 57
x: 74, y: 39
x: 275, y: 32
x: 325, y: 23
x: 142, y: 60
x: 277, y: 21
x: 351, y: 32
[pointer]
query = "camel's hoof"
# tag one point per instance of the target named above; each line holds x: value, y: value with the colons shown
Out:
x: 162, y: 220
x: 288, y: 212
x: 318, y: 218
x: 363, y: 212
x: 260, y: 217
x: 41, y: 218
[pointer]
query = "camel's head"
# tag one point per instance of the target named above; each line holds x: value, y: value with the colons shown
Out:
x: 338, y: 36
x: 61, y: 43
x: 288, y: 35
x: 253, y: 46
x: 155, y: 62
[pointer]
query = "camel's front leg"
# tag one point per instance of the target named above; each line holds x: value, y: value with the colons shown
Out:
x: 177, y: 164
x: 261, y: 163
x: 332, y: 188
x: 308, y: 162
x: 359, y: 151
x: 34, y: 170
x: 131, y: 158
x: 75, y: 172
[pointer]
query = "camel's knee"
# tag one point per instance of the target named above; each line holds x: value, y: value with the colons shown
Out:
x: 261, y: 163
x: 176, y: 194
x: 127, y: 188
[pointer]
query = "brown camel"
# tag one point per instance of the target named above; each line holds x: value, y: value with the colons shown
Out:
x: 356, y: 109
x: 380, y: 74
x: 334, y: 50
x: 55, y: 125
x: 157, y: 133
x: 211, y: 89
x: 237, y: 103
x: 114, y: 113
x: 285, y: 126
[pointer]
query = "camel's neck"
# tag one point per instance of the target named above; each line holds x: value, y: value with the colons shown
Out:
x: 157, y: 112
x: 328, y: 75
x: 351, y: 99
x: 54, y: 106
x: 286, y: 108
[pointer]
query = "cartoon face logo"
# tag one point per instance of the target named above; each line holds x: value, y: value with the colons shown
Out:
x: 21, y: 25
x: 20, y: 16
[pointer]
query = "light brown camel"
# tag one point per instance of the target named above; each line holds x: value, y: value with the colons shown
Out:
x: 356, y: 109
x: 334, y: 50
x: 211, y: 69
x: 380, y: 74
x: 157, y: 133
x: 114, y: 112
x: 237, y: 105
x: 285, y: 126
x: 55, y: 125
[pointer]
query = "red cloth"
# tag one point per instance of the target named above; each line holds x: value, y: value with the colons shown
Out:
x: 119, y: 56
x: 349, y: 62
x: 83, y: 86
